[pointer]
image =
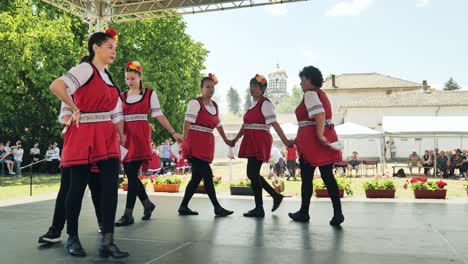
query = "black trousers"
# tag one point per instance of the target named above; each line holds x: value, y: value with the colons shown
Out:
x: 135, y: 187
x: 258, y: 182
x: 59, y: 218
x: 200, y: 170
x: 109, y: 177
x: 326, y: 172
x: 35, y: 168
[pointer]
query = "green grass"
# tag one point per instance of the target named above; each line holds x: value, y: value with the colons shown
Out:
x: 13, y: 187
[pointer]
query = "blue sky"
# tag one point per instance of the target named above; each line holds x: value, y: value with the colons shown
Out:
x: 410, y: 39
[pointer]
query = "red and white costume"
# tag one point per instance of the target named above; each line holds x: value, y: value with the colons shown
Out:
x: 137, y: 129
x: 200, y: 142
x: 100, y: 105
x: 154, y: 164
x: 257, y: 139
x: 308, y: 145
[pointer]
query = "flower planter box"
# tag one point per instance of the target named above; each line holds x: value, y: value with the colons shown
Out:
x: 322, y: 193
x: 200, y: 189
x: 430, y: 194
x: 380, y: 193
x: 241, y: 190
x: 125, y: 187
x: 166, y: 187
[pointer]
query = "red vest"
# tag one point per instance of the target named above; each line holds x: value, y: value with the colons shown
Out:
x: 201, y: 144
x: 308, y: 145
x: 256, y: 143
x: 92, y: 142
x: 137, y: 130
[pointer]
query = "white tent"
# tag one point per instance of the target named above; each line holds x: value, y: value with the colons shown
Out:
x: 289, y: 129
x: 354, y: 131
x: 425, y: 126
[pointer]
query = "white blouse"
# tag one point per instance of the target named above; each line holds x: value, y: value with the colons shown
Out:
x: 154, y: 103
x: 194, y: 107
x: 77, y: 77
x: 268, y: 111
x: 313, y: 104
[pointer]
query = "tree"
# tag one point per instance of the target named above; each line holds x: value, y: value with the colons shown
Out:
x: 451, y: 85
x: 247, y: 100
x: 233, y: 99
x: 172, y: 62
x: 289, y: 103
x: 39, y: 43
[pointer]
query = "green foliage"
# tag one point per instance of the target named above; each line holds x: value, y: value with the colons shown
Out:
x: 159, y: 180
x: 233, y: 99
x: 418, y: 186
x: 343, y: 183
x: 451, y: 85
x: 172, y: 180
x: 37, y: 44
x: 379, y: 185
x: 172, y: 62
x: 242, y: 183
x: 289, y: 103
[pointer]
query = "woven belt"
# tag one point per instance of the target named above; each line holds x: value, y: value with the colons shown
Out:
x: 257, y: 127
x: 328, y: 122
x: 136, y: 117
x: 201, y: 128
x: 95, y: 117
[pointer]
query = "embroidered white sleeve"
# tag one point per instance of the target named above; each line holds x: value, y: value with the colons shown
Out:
x: 77, y: 76
x: 155, y: 106
x: 117, y: 113
x: 313, y: 104
x: 192, y: 111
x: 268, y: 112
x: 65, y: 110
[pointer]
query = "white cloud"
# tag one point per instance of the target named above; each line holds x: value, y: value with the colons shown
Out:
x: 422, y: 3
x: 349, y: 8
x: 277, y: 9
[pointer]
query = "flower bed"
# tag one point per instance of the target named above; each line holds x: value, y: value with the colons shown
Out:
x: 379, y: 189
x: 424, y: 189
x: 241, y: 188
x: 344, y: 185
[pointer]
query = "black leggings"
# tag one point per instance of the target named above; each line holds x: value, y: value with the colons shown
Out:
x: 200, y: 170
x: 258, y: 182
x: 326, y: 172
x: 59, y: 212
x: 135, y: 187
x: 109, y: 177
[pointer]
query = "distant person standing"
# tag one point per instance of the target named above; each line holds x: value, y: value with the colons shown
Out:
x: 18, y: 157
x: 291, y: 156
x: 35, y: 153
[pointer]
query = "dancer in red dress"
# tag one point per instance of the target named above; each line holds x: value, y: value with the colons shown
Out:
x: 137, y: 104
x: 257, y: 142
x: 154, y: 165
x: 201, y: 119
x: 315, y: 141
x: 93, y: 138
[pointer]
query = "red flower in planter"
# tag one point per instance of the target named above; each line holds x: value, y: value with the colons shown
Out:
x: 441, y: 184
x: 418, y: 179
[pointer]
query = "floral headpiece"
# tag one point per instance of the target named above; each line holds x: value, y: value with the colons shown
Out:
x: 134, y: 65
x: 113, y: 33
x: 260, y: 79
x: 213, y: 77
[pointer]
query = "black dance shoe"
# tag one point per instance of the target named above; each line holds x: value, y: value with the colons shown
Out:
x: 148, y: 211
x: 125, y: 220
x: 337, y: 220
x: 257, y: 212
x: 109, y: 248
x: 220, y: 211
x: 74, y: 247
x: 276, y: 202
x: 184, y: 210
x: 299, y: 216
x: 52, y: 236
